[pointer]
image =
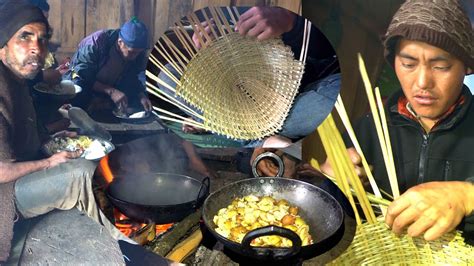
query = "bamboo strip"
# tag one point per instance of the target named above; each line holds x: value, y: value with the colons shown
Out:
x: 210, y: 24
x: 178, y: 33
x: 164, y: 96
x: 303, y: 43
x: 217, y: 20
x: 327, y: 141
x: 182, y: 120
x: 164, y: 69
x: 224, y: 19
x: 237, y: 14
x: 182, y: 59
x: 232, y: 17
x: 386, y: 133
x: 186, y: 35
x: 164, y: 53
x: 347, y: 124
x: 197, y: 31
x: 351, y: 174
x: 378, y: 127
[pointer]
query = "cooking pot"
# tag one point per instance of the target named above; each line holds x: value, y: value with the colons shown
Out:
x: 159, y: 197
x: 318, y: 208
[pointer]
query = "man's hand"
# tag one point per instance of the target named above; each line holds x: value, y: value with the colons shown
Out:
x: 356, y: 160
x: 431, y: 209
x: 306, y: 169
x: 64, y: 67
x: 62, y: 157
x: 207, y: 29
x: 119, y: 98
x: 267, y: 167
x: 264, y: 22
x: 145, y: 102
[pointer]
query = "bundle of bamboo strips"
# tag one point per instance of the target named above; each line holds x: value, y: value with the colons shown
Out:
x: 229, y: 84
x: 374, y: 243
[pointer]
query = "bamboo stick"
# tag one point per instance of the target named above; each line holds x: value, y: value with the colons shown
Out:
x: 163, y: 52
x: 186, y: 35
x: 164, y: 96
x: 378, y: 127
x: 330, y: 148
x: 387, y: 136
x: 179, y: 34
x: 163, y: 69
x: 347, y: 124
x: 232, y: 17
x: 351, y: 174
x: 182, y: 59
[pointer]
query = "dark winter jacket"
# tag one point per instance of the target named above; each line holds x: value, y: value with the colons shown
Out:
x: 444, y: 154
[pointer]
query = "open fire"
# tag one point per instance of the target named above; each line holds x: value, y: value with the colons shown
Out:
x: 140, y: 232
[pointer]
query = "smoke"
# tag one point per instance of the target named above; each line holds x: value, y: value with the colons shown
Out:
x: 161, y: 153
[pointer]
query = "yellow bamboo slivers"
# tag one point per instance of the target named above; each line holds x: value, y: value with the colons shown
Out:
x: 343, y: 167
x: 380, y: 123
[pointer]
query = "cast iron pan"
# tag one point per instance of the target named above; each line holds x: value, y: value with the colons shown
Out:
x: 319, y: 209
x: 160, y: 197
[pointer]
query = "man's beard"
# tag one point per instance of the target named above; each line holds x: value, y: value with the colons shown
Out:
x: 14, y: 65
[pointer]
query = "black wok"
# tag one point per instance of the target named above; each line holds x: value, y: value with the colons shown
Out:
x: 159, y: 197
x: 319, y: 209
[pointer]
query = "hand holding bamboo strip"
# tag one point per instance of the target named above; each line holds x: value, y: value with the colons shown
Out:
x: 373, y: 242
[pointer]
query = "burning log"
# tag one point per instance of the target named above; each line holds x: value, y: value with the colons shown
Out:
x: 166, y: 242
x: 185, y: 247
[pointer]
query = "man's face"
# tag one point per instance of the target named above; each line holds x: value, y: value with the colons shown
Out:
x: 431, y: 78
x: 25, y: 52
x: 128, y: 53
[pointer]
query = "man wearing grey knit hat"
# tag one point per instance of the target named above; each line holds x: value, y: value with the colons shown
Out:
x: 430, y: 44
x: 30, y: 184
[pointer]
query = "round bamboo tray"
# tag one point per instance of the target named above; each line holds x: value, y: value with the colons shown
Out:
x: 243, y: 87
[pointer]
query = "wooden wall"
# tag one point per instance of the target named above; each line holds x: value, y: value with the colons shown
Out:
x: 72, y: 20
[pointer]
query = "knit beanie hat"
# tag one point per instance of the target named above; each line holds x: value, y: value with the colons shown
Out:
x: 15, y: 14
x: 134, y: 34
x: 441, y: 23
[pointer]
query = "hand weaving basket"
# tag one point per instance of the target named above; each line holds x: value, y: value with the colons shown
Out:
x: 234, y: 85
x: 374, y: 243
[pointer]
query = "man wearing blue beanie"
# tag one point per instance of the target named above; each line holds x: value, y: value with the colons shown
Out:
x: 109, y: 62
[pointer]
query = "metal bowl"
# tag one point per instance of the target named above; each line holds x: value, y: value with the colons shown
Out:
x: 63, y: 91
x: 49, y: 148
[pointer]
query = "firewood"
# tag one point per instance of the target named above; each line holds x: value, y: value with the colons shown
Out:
x: 166, y: 242
x: 185, y: 247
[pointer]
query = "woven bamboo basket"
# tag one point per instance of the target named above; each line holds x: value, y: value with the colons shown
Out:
x: 244, y: 88
x: 234, y: 85
x: 374, y: 243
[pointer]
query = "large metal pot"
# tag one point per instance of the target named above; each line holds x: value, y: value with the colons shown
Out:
x: 159, y: 197
x: 320, y: 210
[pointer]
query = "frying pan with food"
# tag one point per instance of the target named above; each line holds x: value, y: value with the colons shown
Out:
x: 318, y: 208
